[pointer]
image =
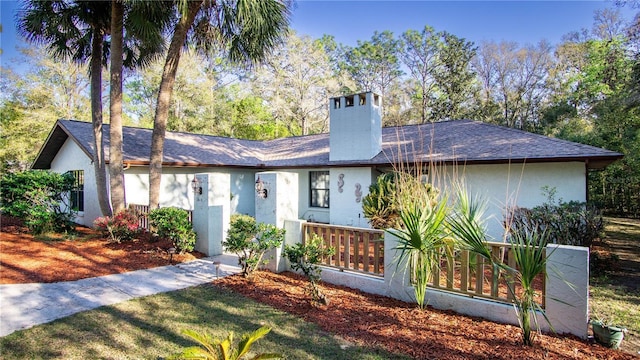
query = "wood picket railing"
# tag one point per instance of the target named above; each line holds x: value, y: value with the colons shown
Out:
x: 362, y: 251
x: 356, y: 249
x: 461, y: 272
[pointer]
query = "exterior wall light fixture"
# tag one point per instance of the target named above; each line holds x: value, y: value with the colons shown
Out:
x: 196, y: 186
x: 260, y: 189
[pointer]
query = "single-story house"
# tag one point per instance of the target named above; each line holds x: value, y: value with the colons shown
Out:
x: 334, y: 170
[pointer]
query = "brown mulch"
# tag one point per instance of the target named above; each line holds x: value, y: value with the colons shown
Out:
x: 399, y: 327
x: 25, y: 259
x: 361, y: 318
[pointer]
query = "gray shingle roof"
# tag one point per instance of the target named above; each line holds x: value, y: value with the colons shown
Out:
x: 461, y: 141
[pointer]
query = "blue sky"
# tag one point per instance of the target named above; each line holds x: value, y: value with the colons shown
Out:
x: 525, y: 22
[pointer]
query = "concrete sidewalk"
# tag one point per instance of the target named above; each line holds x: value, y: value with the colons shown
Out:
x: 25, y: 305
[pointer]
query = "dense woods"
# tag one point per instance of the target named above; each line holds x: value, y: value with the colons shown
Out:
x: 584, y: 89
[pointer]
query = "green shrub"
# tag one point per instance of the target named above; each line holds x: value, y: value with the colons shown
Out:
x: 380, y: 206
x: 250, y: 240
x: 173, y: 223
x: 565, y: 223
x: 306, y: 257
x: 390, y: 193
x: 123, y: 226
x: 39, y: 198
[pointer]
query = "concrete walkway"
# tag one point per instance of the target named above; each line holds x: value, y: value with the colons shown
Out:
x: 25, y: 305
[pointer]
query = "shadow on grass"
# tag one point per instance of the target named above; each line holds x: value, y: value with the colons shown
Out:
x: 150, y: 328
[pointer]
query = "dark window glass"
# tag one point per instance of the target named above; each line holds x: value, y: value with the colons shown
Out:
x: 77, y: 193
x: 319, y: 189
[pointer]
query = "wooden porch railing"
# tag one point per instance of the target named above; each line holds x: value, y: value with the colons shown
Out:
x: 356, y: 249
x: 362, y: 250
x: 470, y: 275
x: 143, y: 215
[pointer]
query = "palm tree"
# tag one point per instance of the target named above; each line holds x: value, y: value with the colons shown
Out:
x: 136, y: 38
x: 75, y: 30
x: 116, y: 173
x: 246, y: 29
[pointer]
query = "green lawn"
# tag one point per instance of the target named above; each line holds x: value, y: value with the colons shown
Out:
x: 615, y: 296
x: 150, y: 328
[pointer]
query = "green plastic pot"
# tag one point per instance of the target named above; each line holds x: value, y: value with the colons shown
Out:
x: 609, y: 336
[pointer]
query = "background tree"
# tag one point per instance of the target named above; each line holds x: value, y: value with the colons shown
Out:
x: 75, y: 31
x: 374, y: 65
x: 296, y: 81
x: 248, y: 29
x: 419, y: 54
x: 513, y: 82
x: 454, y: 78
x: 145, y: 23
x: 32, y: 101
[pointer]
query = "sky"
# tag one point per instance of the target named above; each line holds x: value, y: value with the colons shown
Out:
x: 525, y: 22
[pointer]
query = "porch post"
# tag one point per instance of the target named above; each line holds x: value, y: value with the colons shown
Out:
x: 276, y: 201
x: 211, y: 212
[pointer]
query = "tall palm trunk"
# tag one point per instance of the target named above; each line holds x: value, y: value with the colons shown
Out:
x: 96, y: 120
x: 116, y: 173
x: 164, y: 100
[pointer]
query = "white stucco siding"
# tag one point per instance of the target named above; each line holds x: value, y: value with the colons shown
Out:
x: 71, y: 158
x: 347, y: 195
x: 504, y: 186
x: 176, y: 187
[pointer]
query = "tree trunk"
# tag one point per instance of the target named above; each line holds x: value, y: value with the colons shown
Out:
x: 116, y: 178
x: 164, y: 101
x: 96, y: 120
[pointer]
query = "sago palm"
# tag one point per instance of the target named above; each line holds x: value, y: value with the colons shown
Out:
x: 214, y: 349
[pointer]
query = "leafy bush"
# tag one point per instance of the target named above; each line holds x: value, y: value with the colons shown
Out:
x: 123, y: 226
x: 173, y: 223
x: 565, y: 223
x: 380, y: 205
x: 38, y: 197
x: 391, y: 192
x: 306, y: 257
x: 215, y: 349
x: 250, y: 240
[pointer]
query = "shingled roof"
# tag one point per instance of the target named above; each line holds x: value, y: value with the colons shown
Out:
x: 459, y: 141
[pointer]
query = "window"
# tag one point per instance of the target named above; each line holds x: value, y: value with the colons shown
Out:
x: 77, y: 193
x: 319, y: 189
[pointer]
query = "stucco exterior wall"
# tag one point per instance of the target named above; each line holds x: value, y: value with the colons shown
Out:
x: 348, y: 187
x: 70, y: 158
x: 176, y: 187
x: 504, y: 186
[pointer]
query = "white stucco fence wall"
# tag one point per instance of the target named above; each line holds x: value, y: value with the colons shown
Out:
x: 567, y: 287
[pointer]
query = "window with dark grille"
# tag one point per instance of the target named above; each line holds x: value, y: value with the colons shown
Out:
x: 77, y: 193
x: 319, y: 189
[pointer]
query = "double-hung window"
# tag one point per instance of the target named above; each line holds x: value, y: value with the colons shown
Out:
x: 319, y: 189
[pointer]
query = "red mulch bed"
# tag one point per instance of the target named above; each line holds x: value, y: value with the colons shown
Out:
x: 25, y: 259
x: 365, y: 319
x: 399, y: 327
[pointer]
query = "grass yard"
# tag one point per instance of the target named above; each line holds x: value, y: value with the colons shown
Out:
x: 149, y: 328
x: 615, y: 294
